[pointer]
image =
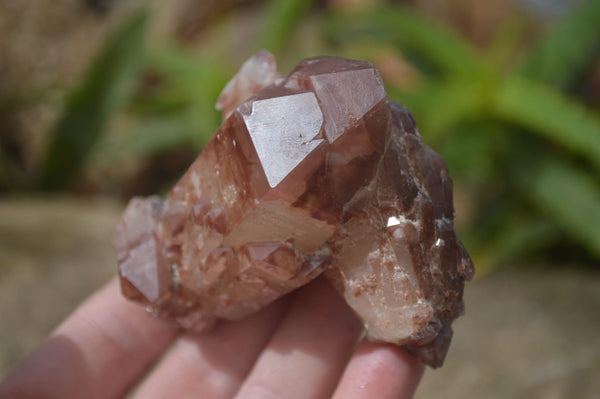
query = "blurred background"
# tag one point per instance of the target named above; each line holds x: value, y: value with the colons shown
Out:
x: 104, y: 99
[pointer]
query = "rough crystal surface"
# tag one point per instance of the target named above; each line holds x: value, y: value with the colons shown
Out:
x: 313, y: 172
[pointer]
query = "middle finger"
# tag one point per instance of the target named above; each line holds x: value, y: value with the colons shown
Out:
x: 309, y: 350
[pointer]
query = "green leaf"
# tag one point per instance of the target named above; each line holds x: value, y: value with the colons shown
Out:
x: 470, y: 151
x: 551, y: 115
x: 183, y: 80
x: 150, y: 137
x: 89, y: 108
x: 506, y: 41
x: 567, y: 195
x: 568, y: 49
x: 203, y: 74
x: 282, y: 18
x: 520, y: 236
x: 411, y: 31
x: 442, y: 104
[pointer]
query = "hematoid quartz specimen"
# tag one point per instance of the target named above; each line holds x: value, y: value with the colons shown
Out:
x: 314, y: 172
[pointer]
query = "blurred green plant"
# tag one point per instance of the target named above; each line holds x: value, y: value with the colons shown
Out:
x: 174, y: 105
x: 166, y: 93
x: 518, y: 142
x: 282, y: 18
x: 528, y: 152
x: 89, y: 108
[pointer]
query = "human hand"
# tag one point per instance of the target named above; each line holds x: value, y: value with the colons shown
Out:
x: 302, y: 346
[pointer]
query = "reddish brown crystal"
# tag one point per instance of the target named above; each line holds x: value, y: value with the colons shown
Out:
x: 317, y: 171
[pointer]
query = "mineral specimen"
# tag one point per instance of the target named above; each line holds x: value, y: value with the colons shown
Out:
x: 313, y: 172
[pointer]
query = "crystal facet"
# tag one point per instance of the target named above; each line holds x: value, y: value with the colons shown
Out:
x: 310, y: 173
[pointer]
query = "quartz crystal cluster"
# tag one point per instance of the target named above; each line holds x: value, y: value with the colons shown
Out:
x: 314, y: 172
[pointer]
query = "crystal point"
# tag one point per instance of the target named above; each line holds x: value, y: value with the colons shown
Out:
x: 309, y: 173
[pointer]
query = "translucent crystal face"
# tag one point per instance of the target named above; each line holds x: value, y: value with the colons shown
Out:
x: 141, y: 260
x: 314, y: 172
x: 284, y: 130
x: 348, y: 91
x: 258, y: 72
x: 360, y: 89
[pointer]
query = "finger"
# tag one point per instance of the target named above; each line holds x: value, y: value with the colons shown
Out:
x: 380, y: 371
x: 98, y: 352
x: 309, y: 350
x: 214, y: 364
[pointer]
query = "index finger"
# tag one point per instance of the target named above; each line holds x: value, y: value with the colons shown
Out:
x: 99, y: 351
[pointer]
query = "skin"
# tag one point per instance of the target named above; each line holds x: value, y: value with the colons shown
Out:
x: 306, y: 345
